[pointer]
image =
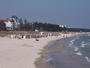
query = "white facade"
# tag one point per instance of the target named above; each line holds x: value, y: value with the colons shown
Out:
x: 9, y: 25
x: 14, y: 23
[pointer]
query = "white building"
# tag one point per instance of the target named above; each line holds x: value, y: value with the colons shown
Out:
x: 62, y: 26
x: 15, y: 23
x: 11, y: 23
x: 8, y: 23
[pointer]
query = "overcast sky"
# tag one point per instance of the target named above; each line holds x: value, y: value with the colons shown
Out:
x: 74, y: 13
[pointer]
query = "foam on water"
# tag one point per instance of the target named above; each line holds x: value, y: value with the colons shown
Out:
x: 71, y: 43
x: 82, y: 45
x: 88, y: 60
x: 76, y: 49
x: 73, y: 40
x: 48, y: 60
x: 79, y: 53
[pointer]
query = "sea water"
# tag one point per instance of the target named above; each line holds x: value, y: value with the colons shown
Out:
x: 78, y: 46
x: 83, y: 45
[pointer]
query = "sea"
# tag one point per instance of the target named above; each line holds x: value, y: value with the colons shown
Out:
x: 73, y: 52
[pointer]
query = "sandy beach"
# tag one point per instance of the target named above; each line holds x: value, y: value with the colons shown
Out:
x: 22, y: 53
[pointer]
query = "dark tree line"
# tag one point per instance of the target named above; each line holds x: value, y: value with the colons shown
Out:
x: 39, y: 26
x: 78, y: 30
x: 45, y: 26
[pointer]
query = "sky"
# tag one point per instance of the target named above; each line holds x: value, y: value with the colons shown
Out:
x: 73, y: 13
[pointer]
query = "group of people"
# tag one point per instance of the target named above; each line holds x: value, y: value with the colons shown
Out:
x: 41, y: 34
x: 34, y: 35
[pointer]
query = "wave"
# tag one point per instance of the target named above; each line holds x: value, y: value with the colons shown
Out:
x: 79, y: 50
x: 76, y: 49
x: 88, y: 60
x: 79, y: 53
x: 71, y: 42
x: 48, y: 60
x: 82, y: 44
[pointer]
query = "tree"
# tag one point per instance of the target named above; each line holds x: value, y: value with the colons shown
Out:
x: 21, y: 24
x: 15, y: 17
x: 2, y: 26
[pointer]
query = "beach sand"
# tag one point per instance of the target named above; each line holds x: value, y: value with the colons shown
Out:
x: 22, y: 53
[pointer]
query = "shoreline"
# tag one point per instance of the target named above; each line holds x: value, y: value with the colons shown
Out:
x: 44, y: 61
x: 43, y: 53
x: 22, y: 53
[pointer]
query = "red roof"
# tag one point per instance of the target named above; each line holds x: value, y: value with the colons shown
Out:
x: 11, y: 20
x: 5, y: 20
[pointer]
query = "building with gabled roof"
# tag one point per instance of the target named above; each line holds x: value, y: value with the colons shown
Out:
x: 8, y: 23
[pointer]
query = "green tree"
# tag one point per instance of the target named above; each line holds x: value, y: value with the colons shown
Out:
x: 21, y: 25
x: 2, y: 26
